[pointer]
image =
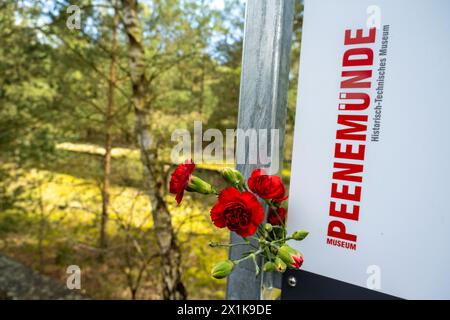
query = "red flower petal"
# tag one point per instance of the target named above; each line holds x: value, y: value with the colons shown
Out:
x: 229, y: 194
x: 240, y: 212
x: 180, y: 179
x: 249, y: 231
x: 266, y: 186
x: 298, y: 261
x: 274, y: 219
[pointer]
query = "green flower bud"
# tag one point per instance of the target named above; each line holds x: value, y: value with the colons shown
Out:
x: 299, y: 235
x: 233, y: 177
x: 200, y: 186
x: 292, y: 257
x: 222, y: 269
x: 269, y: 266
x: 280, y: 266
x: 213, y: 244
x: 268, y: 227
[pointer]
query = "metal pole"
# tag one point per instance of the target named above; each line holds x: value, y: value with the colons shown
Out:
x: 262, y: 105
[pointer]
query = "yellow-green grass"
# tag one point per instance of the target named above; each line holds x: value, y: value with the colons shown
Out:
x: 72, y: 207
x: 118, y: 152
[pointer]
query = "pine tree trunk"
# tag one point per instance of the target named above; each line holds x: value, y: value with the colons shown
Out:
x: 108, y: 136
x: 41, y: 229
x: 154, y: 176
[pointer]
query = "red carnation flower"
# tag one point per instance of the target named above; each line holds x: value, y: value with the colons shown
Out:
x: 298, y: 261
x: 274, y: 217
x: 267, y: 187
x: 180, y: 179
x: 239, y: 212
x: 292, y: 257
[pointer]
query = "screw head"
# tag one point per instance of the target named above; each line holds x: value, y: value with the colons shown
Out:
x: 292, y: 281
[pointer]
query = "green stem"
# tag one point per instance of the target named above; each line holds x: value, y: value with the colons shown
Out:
x: 274, y: 234
x: 271, y: 243
x: 277, y: 227
x: 270, y: 204
x: 284, y: 239
x: 260, y: 231
x: 232, y: 244
x: 248, y: 257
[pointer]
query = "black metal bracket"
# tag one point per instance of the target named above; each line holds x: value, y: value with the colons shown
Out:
x: 304, y: 285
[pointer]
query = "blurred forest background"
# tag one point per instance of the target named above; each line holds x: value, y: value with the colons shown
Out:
x: 86, y: 117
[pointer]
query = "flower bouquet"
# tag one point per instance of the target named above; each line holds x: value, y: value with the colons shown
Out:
x: 239, y: 209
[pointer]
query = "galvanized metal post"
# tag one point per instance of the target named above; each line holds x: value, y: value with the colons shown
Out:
x: 262, y: 105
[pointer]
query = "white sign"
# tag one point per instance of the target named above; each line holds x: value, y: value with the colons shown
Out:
x: 371, y: 164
